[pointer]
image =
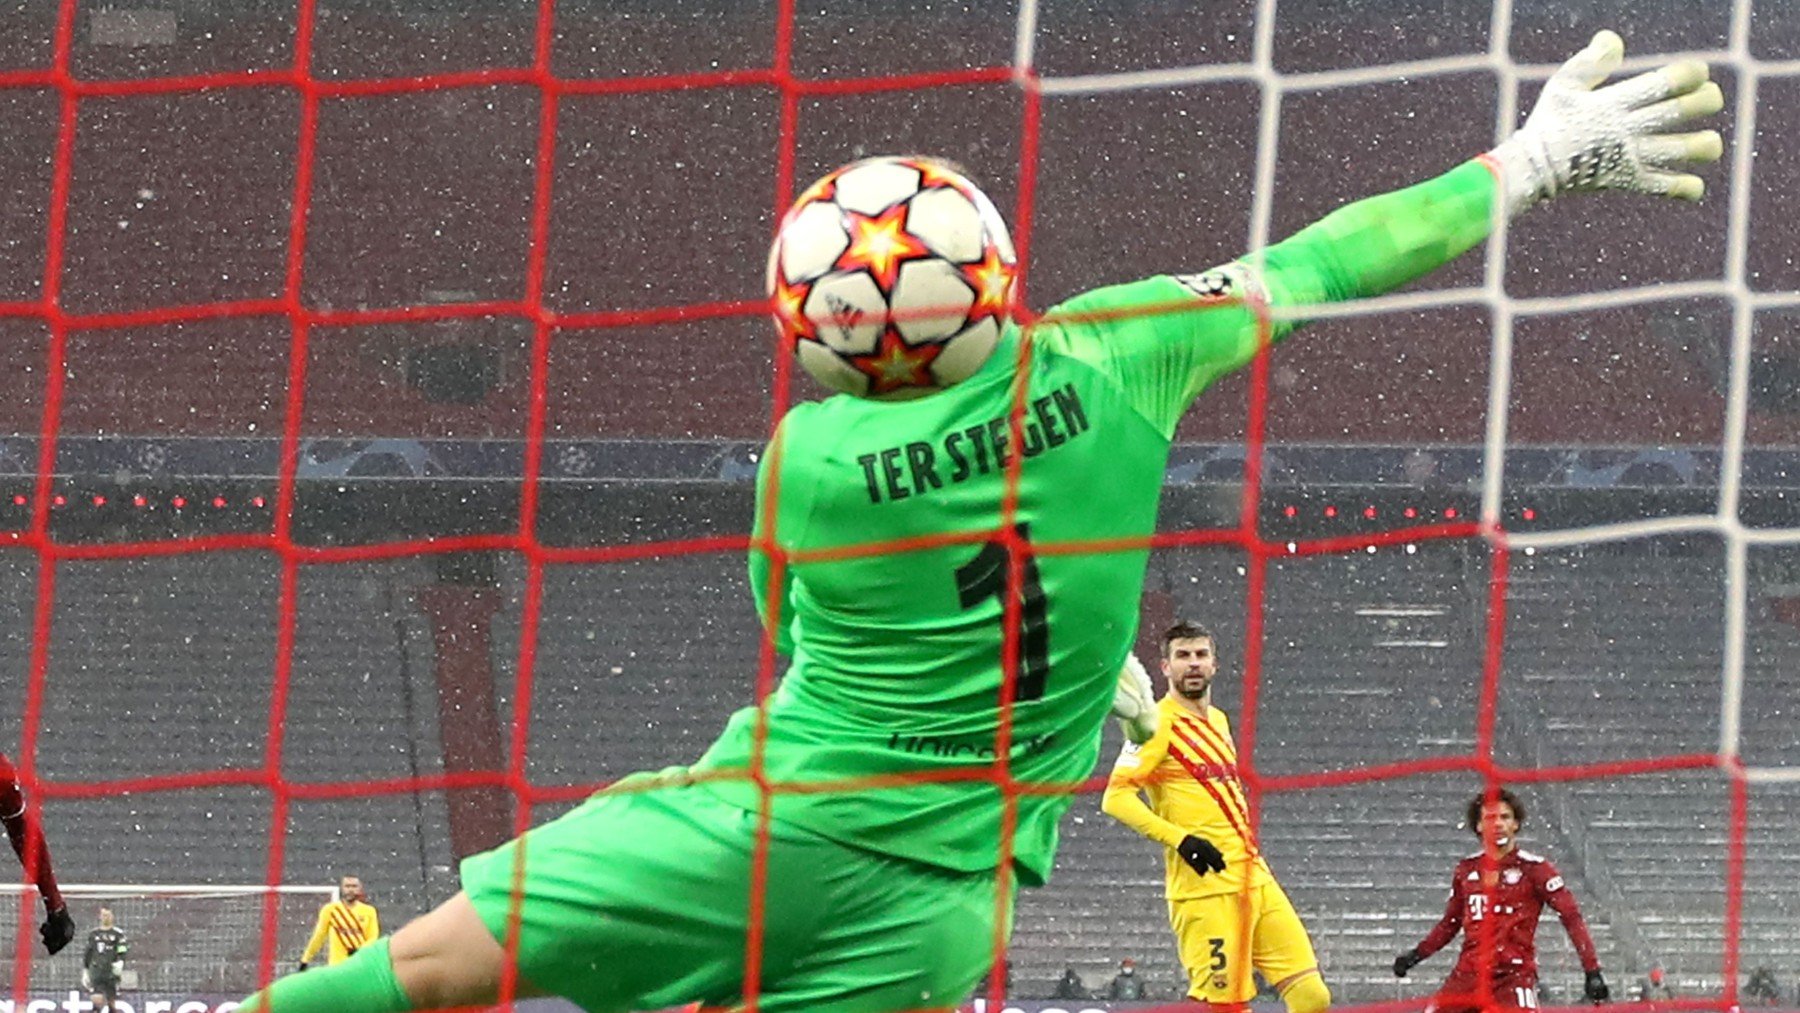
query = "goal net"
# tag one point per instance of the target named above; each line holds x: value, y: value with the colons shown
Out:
x: 199, y: 943
x: 382, y: 386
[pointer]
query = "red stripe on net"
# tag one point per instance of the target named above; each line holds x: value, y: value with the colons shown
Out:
x: 1246, y: 535
x: 766, y: 656
x: 62, y: 168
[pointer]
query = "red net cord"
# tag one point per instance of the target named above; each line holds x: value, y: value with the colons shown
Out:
x: 45, y: 604
x: 545, y: 322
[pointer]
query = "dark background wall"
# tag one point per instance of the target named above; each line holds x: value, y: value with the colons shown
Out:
x: 666, y: 197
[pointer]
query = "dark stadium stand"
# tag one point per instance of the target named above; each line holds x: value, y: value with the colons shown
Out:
x: 164, y: 665
x: 1620, y: 654
x: 424, y: 198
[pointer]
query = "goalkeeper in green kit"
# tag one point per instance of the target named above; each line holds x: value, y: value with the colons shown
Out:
x: 882, y: 881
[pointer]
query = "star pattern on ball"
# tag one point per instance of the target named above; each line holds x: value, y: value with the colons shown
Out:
x: 824, y: 189
x: 895, y: 364
x: 991, y: 277
x: 789, y: 306
x: 880, y: 244
x: 933, y: 176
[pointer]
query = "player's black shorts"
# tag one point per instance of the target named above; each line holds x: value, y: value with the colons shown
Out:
x: 107, y: 987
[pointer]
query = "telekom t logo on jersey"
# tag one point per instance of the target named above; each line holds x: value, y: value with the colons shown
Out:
x: 1478, y: 903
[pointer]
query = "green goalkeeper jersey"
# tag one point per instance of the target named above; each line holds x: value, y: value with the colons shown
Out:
x: 896, y: 656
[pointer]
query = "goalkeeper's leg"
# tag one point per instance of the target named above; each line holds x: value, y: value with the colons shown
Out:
x: 640, y: 900
x: 450, y: 958
x: 445, y: 959
x: 363, y: 984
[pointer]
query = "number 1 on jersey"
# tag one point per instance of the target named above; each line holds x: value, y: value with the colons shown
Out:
x: 984, y: 577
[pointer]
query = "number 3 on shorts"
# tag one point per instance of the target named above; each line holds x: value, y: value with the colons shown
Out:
x: 1218, y: 954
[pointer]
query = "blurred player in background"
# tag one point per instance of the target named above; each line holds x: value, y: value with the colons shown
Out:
x: 1126, y: 986
x: 103, y: 962
x: 27, y: 837
x: 878, y: 892
x: 345, y: 925
x: 1496, y: 896
x: 1228, y: 913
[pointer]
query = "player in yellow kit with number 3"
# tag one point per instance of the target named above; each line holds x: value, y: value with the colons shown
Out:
x: 887, y: 868
x: 1228, y: 913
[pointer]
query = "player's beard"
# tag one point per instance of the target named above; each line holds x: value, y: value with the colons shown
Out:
x: 1194, y: 687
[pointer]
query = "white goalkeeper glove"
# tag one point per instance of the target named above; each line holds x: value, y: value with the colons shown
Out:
x: 87, y: 980
x: 1134, y: 701
x: 118, y: 968
x: 1624, y: 136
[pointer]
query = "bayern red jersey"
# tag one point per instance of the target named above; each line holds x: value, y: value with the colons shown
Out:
x: 26, y: 836
x: 1506, y: 910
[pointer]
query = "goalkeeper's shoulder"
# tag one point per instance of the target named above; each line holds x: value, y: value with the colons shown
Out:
x: 1147, y: 298
x: 797, y: 419
x: 1161, y: 338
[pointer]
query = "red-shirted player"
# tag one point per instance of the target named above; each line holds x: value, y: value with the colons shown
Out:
x: 28, y: 840
x: 1496, y: 896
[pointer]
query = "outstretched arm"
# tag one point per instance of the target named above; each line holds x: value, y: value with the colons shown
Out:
x: 27, y: 836
x: 1579, y: 137
x: 1379, y: 243
x: 1168, y: 338
x: 1166, y: 346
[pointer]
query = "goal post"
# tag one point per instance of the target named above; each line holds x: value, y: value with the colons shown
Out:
x: 186, y: 940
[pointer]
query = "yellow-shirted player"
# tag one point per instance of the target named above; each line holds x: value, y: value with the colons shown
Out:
x: 1229, y: 914
x: 345, y: 925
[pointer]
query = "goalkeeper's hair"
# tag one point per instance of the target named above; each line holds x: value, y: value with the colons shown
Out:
x: 1186, y: 629
x: 1472, y: 813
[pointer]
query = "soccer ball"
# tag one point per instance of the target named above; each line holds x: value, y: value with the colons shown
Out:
x: 890, y: 277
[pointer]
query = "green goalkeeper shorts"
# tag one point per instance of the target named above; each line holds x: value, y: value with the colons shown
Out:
x: 641, y: 900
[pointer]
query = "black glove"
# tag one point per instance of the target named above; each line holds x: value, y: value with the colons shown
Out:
x: 1200, y: 855
x: 1406, y: 962
x: 1595, y: 988
x: 301, y: 966
x: 57, y: 930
